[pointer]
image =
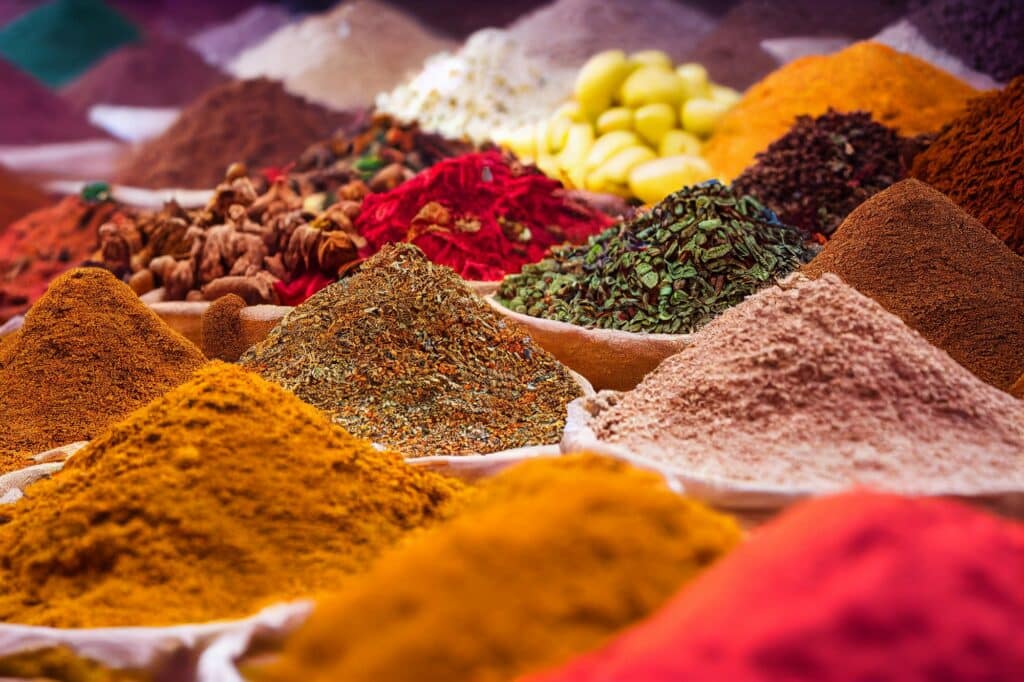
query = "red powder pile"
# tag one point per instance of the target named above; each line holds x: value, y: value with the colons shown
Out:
x: 849, y: 588
x: 481, y: 214
x: 254, y: 122
x: 31, y: 114
x: 44, y: 244
x: 978, y: 160
x: 17, y: 198
x: 158, y: 74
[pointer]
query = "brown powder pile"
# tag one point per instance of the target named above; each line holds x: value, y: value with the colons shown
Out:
x: 18, y: 197
x: 222, y: 329
x: 255, y: 122
x: 89, y: 353
x: 924, y: 259
x: 817, y: 387
x: 161, y: 73
x: 31, y: 114
x: 978, y: 160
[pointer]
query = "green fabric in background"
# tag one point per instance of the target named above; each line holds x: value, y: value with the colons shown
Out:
x: 59, y: 40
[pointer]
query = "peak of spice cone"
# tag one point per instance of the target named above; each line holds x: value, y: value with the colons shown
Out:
x: 404, y: 353
x: 941, y: 271
x: 88, y: 354
x: 815, y: 387
x: 216, y: 499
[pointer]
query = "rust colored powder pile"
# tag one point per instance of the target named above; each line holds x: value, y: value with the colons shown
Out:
x: 45, y: 243
x: 31, y: 114
x: 89, y: 353
x: 254, y: 122
x: 979, y: 162
x: 924, y: 259
x: 161, y: 73
x: 815, y: 387
x: 212, y: 501
x: 18, y: 197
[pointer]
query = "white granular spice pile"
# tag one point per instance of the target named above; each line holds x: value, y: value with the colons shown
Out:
x: 489, y: 85
x: 568, y: 32
x: 817, y: 387
x: 344, y: 57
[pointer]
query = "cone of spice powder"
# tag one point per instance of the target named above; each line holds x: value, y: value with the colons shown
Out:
x: 88, y: 354
x: 924, y: 259
x: 846, y: 589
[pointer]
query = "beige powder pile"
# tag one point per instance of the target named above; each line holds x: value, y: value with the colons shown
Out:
x: 817, y: 387
x: 344, y: 57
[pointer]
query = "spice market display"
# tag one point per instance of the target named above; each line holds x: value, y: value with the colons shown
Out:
x: 290, y: 293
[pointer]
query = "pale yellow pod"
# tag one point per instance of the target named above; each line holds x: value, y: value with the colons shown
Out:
x: 654, y: 180
x: 652, y: 121
x: 677, y: 142
x: 558, y: 132
x: 651, y: 58
x: 607, y: 145
x: 695, y: 78
x: 571, y: 160
x: 615, y: 171
x: 522, y: 141
x: 599, y: 80
x: 616, y: 118
x: 650, y: 84
x: 724, y: 95
x: 700, y: 115
x: 572, y: 111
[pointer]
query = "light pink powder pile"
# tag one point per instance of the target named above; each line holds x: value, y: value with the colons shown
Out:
x: 817, y: 387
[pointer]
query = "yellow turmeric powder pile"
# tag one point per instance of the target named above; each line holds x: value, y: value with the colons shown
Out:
x: 88, y: 354
x: 224, y: 495
x: 60, y: 663
x: 899, y: 90
x: 545, y: 560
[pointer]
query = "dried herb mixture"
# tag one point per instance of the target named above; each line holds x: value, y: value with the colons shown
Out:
x: 697, y: 253
x: 404, y: 353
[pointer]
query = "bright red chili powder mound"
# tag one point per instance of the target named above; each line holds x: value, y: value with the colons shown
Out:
x: 855, y: 587
x: 481, y: 214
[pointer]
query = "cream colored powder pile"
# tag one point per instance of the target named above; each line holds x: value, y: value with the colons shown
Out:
x: 344, y: 57
x: 817, y: 387
x: 490, y: 84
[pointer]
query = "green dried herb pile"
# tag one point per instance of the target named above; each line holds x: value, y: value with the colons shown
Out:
x: 698, y: 252
x: 405, y: 354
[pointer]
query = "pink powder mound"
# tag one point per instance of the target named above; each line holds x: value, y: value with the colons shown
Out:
x: 816, y: 387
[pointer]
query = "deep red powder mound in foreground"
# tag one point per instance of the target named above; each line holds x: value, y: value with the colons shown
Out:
x: 850, y: 588
x: 480, y: 214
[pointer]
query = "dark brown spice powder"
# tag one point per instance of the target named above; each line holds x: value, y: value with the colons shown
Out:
x: 924, y: 259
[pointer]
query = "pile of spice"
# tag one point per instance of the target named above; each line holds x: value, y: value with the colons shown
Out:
x: 925, y: 260
x: 979, y: 162
x: 221, y: 43
x: 343, y: 57
x: 160, y: 73
x: 846, y: 588
x: 18, y: 197
x: 383, y: 153
x: 898, y: 90
x: 904, y: 36
x: 986, y: 34
x: 31, y: 114
x: 568, y: 32
x: 404, y: 353
x: 220, y: 497
x: 545, y: 561
x: 205, y: 140
x: 482, y: 214
x: 47, y: 242
x: 816, y: 387
x: 490, y: 84
x: 671, y: 270
x: 88, y: 354
x: 60, y: 39
x: 825, y: 167
x: 62, y: 663
x: 733, y: 50
x: 266, y: 248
